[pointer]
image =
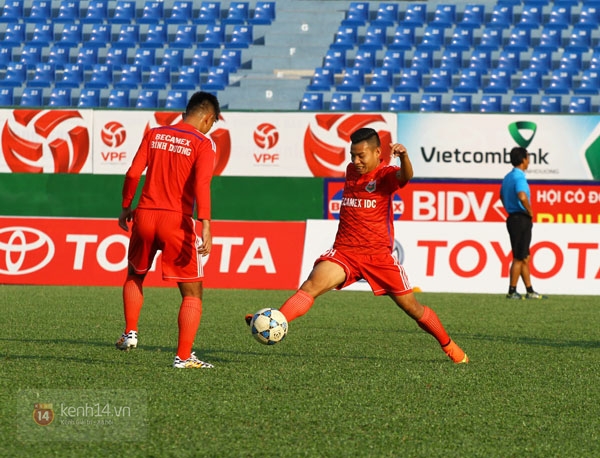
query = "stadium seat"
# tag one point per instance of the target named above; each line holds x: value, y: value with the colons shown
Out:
x: 130, y: 77
x: 159, y: 77
x: 473, y: 16
x: 550, y: 104
x: 481, y: 59
x: 185, y: 37
x: 312, y: 101
x: 550, y: 39
x: 520, y: 104
x: 217, y: 79
x: 431, y: 103
x: 230, y: 59
x: 128, y: 37
x: 5, y: 55
x: 357, y: 14
x: 589, y: 15
x: 87, y: 57
x: 589, y: 83
x: 444, y: 15
x: 365, y: 60
x: 40, y: 11
x: 393, y: 60
x: 152, y: 13
x: 96, y: 12
x: 353, y: 80
x: 264, y: 13
x: 203, y: 59
x: 499, y: 82
x: 89, y: 98
x: 462, y: 39
x: 31, y: 56
x: 118, y: 98
x: 335, y: 59
x: 321, y: 80
x: 386, y: 14
x: 71, y: 76
x: 43, y: 35
x: 12, y: 11
x: 540, y: 60
x: 124, y: 12
x: 382, y: 80
x: 214, y: 36
x: 180, y: 13
x: 14, y: 34
x: 241, y: 36
x: 560, y: 83
x: 172, y: 57
x: 415, y: 15
x: 7, y: 97
x: 237, y: 13
x: 346, y: 37
x: 60, y: 97
x: 188, y: 77
x: 432, y: 38
x: 43, y: 76
x: 410, y: 81
x: 491, y: 39
x: 71, y: 36
x: 176, y: 99
x: 58, y: 56
x: 340, y: 101
x: 440, y: 80
x: 509, y: 60
x: 399, y: 102
x: 145, y: 58
x: 531, y: 16
x: 32, y: 97
x: 519, y: 39
x: 502, y: 16
x: 451, y: 60
x: 594, y: 60
x: 147, y: 99
x: 155, y: 37
x: 403, y: 38
x: 208, y: 13
x: 580, y: 104
x: 100, y: 35
x: 559, y: 17
x: 370, y: 102
x: 374, y: 38
x: 580, y: 40
x: 68, y: 11
x: 422, y: 60
x: 530, y: 82
x: 571, y: 62
x: 116, y: 57
x: 460, y: 103
x: 490, y: 103
x: 469, y: 81
x: 101, y: 77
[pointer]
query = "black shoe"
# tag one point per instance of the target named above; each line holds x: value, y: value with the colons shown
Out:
x: 514, y: 295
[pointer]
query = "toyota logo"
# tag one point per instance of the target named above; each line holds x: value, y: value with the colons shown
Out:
x: 24, y: 250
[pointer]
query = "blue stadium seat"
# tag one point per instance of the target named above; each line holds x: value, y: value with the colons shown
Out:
x: 237, y: 13
x: 116, y: 57
x: 87, y: 57
x: 399, y: 102
x: 312, y: 101
x: 346, y: 37
x: 100, y: 35
x: 230, y: 59
x: 382, y: 80
x: 481, y: 59
x: 490, y: 103
x: 43, y: 35
x: 124, y: 12
x: 32, y: 97
x: 176, y: 99
x: 462, y: 39
x: 188, y: 77
x: 509, y: 60
x: 155, y: 37
x: 185, y: 36
x: 264, y: 13
x: 589, y: 83
x: 217, y: 79
x: 241, y: 36
x: 440, y: 80
x: 365, y: 59
x: 371, y: 102
x: 571, y: 62
x: 499, y: 82
x: 96, y: 12
x: 491, y: 39
x: 353, y: 80
x: 152, y: 13
x: 393, y: 60
x: 473, y: 16
x: 411, y: 80
x: 60, y: 97
x: 180, y: 13
x: 5, y: 55
x: 560, y: 16
x: 589, y: 15
x: 214, y: 36
x: 550, y: 39
x: 89, y: 98
x: 203, y: 59
x: 129, y: 78
x: 431, y: 103
x: 580, y: 104
x: 415, y: 14
x: 374, y: 38
x: 469, y: 81
x: 580, y: 40
x: 128, y: 37
x: 172, y: 57
x: 519, y: 39
x: 520, y: 104
x: 31, y: 56
x: 71, y: 36
x: 540, y: 60
x: 531, y: 16
x: 560, y: 83
x: 145, y: 58
x: 159, y: 77
x: 58, y: 56
x: 68, y: 11
x: 357, y: 14
x: 12, y: 11
x: 451, y: 60
x: 321, y: 80
x: 341, y: 101
x: 14, y: 34
x: 386, y: 14
x: 530, y: 82
x: 335, y: 59
x: 208, y: 13
x: 594, y: 60
x: 432, y: 38
x: 403, y: 38
x: 444, y: 15
x: 118, y: 98
x: 550, y: 104
x: 147, y: 99
x: 7, y: 97
x: 422, y: 59
x: 43, y: 76
x: 460, y: 103
x: 101, y: 77
x: 502, y: 16
x: 71, y: 77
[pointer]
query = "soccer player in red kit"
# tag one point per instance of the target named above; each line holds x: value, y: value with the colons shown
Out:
x: 364, y: 241
x: 179, y: 162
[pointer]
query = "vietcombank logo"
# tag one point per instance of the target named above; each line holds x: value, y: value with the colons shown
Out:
x: 592, y: 156
x: 517, y: 129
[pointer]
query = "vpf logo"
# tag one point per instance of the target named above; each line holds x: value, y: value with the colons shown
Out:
x: 24, y: 250
x: 219, y: 135
x: 113, y: 134
x: 326, y: 141
x: 266, y: 136
x: 51, y: 141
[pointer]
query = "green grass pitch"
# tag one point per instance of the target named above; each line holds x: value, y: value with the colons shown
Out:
x: 355, y: 377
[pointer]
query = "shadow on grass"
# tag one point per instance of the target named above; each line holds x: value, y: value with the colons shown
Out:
x: 541, y: 342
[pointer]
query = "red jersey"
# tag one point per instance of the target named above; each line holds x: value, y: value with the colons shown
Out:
x: 179, y: 160
x: 366, y: 215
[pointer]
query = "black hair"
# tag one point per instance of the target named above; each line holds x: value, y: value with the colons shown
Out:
x: 365, y: 134
x: 517, y: 155
x: 202, y: 101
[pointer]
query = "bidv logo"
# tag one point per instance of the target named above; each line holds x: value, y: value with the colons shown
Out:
x: 45, y: 141
x: 335, y: 205
x: 113, y: 134
x: 24, y: 250
x: 327, y: 141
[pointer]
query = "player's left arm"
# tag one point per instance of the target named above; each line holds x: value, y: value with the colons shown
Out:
x: 405, y: 174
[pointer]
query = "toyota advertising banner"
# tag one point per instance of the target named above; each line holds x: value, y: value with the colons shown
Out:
x: 93, y: 252
x: 468, y: 258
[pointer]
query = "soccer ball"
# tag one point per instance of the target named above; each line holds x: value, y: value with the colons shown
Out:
x: 269, y: 326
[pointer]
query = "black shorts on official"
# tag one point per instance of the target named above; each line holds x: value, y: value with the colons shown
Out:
x: 519, y: 227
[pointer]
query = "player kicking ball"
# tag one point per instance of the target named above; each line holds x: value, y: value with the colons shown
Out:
x: 364, y: 241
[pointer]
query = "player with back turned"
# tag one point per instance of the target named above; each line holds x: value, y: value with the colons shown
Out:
x: 179, y: 162
x: 364, y: 241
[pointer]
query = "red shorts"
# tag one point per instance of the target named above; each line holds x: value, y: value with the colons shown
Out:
x: 172, y: 233
x: 382, y: 271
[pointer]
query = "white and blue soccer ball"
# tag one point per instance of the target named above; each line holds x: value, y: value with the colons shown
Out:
x: 269, y: 326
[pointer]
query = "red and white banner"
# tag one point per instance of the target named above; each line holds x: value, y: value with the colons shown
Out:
x: 466, y: 258
x: 93, y: 252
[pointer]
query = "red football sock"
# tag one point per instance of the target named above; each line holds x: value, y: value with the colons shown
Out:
x: 430, y: 323
x: 297, y: 305
x: 133, y: 299
x: 190, y: 313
